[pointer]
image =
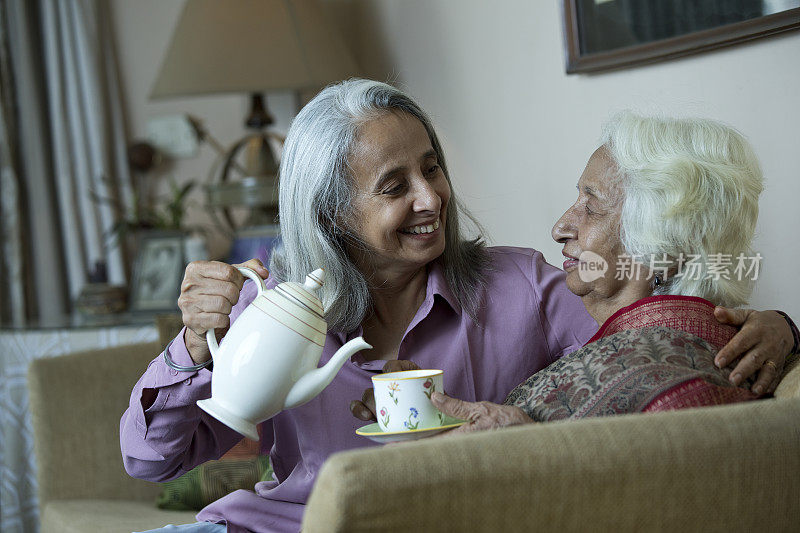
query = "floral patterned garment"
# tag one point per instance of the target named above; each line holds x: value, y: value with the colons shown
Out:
x: 654, y: 355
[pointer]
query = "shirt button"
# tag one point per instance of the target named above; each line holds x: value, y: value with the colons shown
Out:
x: 188, y: 381
x: 173, y: 372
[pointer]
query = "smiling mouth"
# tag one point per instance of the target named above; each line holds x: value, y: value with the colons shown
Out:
x: 421, y: 230
x: 569, y: 261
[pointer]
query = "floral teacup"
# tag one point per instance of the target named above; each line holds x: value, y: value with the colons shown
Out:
x: 403, y: 400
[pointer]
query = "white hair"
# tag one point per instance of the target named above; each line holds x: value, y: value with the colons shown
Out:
x: 316, y: 203
x: 691, y: 191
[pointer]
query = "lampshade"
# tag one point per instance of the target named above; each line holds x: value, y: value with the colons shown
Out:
x: 251, y: 46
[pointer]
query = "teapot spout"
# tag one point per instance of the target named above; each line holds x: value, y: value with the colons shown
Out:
x: 308, y: 386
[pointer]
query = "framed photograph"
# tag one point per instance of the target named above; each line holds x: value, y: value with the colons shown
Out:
x: 611, y: 34
x: 158, y: 272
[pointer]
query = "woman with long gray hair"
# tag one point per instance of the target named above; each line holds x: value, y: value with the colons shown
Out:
x: 364, y: 193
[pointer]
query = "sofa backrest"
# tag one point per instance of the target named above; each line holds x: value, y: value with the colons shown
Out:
x: 723, y: 468
x: 789, y: 387
x: 76, y: 404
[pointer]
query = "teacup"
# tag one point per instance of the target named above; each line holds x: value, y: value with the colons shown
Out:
x: 403, y: 400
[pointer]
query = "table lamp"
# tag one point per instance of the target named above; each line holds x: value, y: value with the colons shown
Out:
x: 251, y: 46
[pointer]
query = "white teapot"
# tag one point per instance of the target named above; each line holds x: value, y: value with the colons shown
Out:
x: 268, y: 359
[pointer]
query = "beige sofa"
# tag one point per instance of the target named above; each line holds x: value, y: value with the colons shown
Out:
x: 732, y: 468
x: 76, y: 403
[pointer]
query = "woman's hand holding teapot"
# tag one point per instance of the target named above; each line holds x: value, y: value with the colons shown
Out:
x: 209, y: 291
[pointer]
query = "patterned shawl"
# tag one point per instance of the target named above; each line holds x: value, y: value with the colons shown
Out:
x: 654, y: 355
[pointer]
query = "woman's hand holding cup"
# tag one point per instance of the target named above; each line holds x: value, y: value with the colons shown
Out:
x: 209, y: 291
x: 480, y: 416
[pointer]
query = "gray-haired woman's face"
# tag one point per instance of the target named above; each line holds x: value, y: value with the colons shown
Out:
x: 401, y: 193
x: 590, y: 233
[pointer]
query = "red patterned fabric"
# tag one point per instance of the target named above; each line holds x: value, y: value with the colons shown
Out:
x: 685, y: 313
x: 654, y: 355
x: 697, y: 393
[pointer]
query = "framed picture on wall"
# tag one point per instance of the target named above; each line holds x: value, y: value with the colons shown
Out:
x: 158, y: 272
x: 611, y: 34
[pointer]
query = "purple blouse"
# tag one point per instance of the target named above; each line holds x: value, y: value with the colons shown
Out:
x: 527, y: 320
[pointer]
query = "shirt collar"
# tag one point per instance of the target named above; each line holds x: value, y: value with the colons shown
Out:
x: 437, y: 285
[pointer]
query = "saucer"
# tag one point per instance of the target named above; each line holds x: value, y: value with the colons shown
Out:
x: 373, y: 431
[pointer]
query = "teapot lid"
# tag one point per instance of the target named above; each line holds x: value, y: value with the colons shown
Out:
x: 297, y: 306
x: 305, y: 295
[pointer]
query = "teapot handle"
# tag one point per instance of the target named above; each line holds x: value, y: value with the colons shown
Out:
x: 250, y: 273
x: 211, y: 338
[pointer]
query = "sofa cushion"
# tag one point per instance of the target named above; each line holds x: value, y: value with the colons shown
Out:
x: 108, y: 516
x: 240, y: 468
x: 211, y: 481
x: 789, y: 387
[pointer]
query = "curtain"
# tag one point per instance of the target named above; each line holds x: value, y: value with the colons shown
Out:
x: 13, y: 304
x: 68, y: 125
x: 88, y: 139
x: 62, y: 138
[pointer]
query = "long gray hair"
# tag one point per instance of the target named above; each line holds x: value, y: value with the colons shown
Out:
x: 316, y: 201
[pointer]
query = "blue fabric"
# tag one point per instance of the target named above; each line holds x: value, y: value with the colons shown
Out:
x: 197, y: 527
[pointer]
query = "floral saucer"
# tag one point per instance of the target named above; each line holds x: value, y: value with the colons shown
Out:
x: 373, y: 431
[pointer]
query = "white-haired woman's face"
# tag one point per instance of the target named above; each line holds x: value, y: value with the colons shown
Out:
x: 401, y: 193
x: 590, y: 233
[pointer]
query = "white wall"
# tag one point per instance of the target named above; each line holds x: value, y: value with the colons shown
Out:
x: 517, y: 131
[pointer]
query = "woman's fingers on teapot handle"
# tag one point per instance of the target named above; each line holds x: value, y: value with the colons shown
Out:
x: 257, y: 265
x: 208, y: 276
x: 204, y: 308
x: 201, y: 322
x: 211, y: 288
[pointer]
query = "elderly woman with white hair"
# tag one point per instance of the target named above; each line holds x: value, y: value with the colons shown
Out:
x: 658, y: 196
x: 364, y: 193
